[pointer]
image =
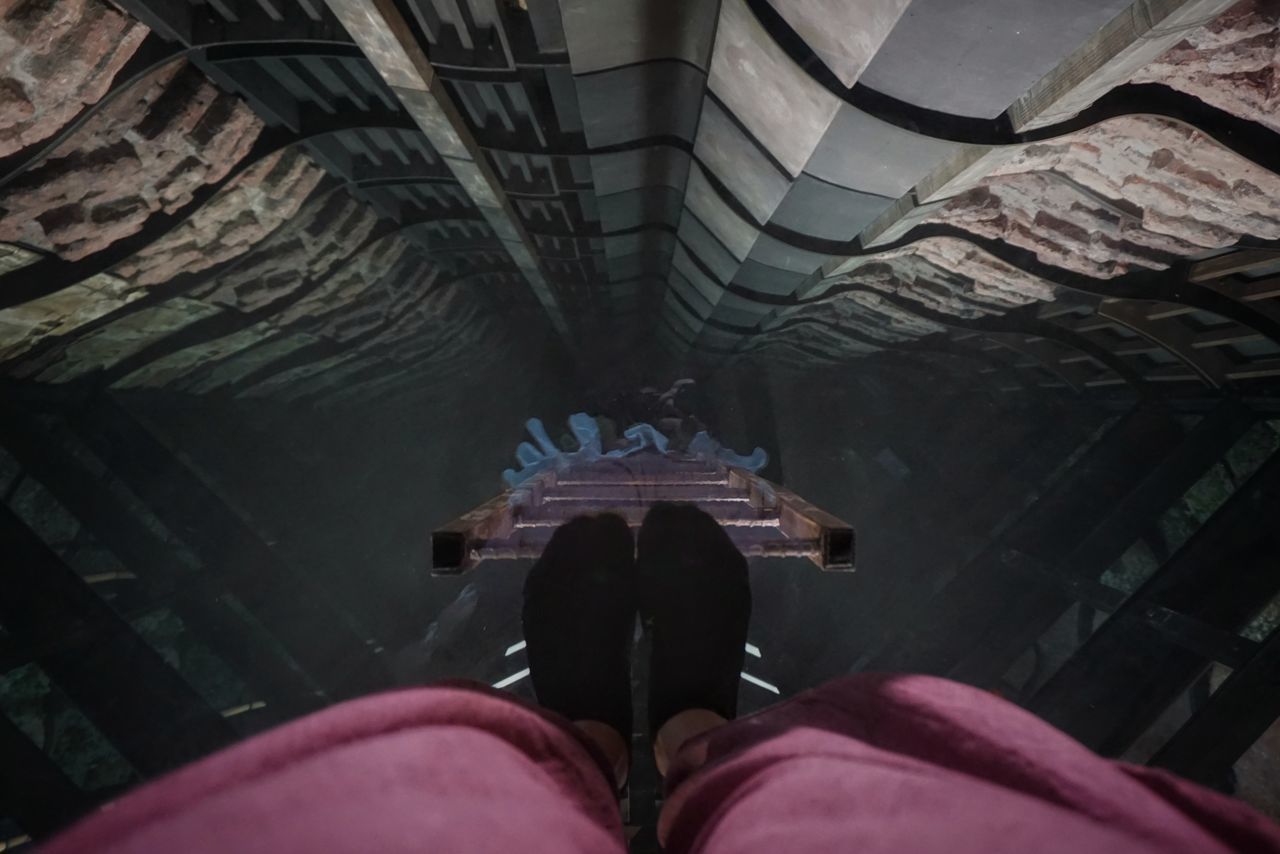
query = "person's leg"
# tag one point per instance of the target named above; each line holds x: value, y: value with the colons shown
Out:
x: 450, y: 768
x: 579, y: 620
x: 876, y: 763
x: 887, y: 763
x: 696, y: 596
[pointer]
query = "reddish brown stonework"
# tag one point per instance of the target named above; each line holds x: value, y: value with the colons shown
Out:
x: 437, y: 330
x: 442, y: 310
x: 410, y: 318
x: 942, y: 274
x: 1133, y: 193
x: 59, y: 314
x: 56, y: 57
x: 142, y: 154
x: 235, y: 368
x: 169, y: 369
x: 236, y: 220
x: 1233, y: 63
x: 327, y: 229
x: 105, y: 346
x: 415, y: 312
x: 866, y: 314
x: 472, y: 339
x: 947, y: 275
x: 1130, y: 193
x: 363, y: 279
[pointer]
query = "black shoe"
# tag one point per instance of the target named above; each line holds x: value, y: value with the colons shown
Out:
x: 579, y: 620
x: 695, y: 594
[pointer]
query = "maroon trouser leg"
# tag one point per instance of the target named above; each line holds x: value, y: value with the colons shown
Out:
x: 869, y: 763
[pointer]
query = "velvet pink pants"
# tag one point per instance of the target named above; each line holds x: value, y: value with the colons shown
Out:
x: 872, y: 764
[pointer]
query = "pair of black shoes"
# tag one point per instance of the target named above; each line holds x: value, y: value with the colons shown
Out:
x: 682, y: 574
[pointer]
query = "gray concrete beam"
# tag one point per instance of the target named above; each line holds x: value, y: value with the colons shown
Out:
x: 387, y: 40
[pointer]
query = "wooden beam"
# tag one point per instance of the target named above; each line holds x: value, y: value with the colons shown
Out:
x: 455, y: 545
x: 1224, y: 337
x: 1230, y: 263
x: 1255, y: 370
x: 801, y: 520
x: 1211, y: 366
x: 763, y: 519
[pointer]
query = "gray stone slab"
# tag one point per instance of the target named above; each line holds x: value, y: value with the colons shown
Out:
x: 638, y: 207
x: 748, y: 316
x: 692, y: 296
x: 1114, y: 54
x: 589, y: 205
x: 579, y: 168
x: 564, y: 97
x: 735, y: 317
x: 604, y: 34
x: 736, y: 234
x: 738, y: 162
x: 686, y: 324
x: 640, y: 101
x: 624, y: 267
x: 898, y: 219
x: 693, y: 274
x: 721, y: 339
x: 643, y: 167
x: 745, y: 306
x: 649, y: 241
x: 672, y: 340
x: 781, y: 105
x: 628, y: 290
x: 976, y: 57
x: 503, y: 226
x: 863, y: 153
x: 701, y: 242
x: 775, y: 253
x: 548, y: 30
x: 642, y: 264
x: 820, y: 209
x: 768, y: 280
x: 648, y: 261
x: 845, y: 34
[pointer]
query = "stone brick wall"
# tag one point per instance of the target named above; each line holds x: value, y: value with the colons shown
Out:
x: 281, y: 240
x: 316, y: 239
x: 140, y: 155
x: 279, y: 260
x: 1126, y: 194
x: 1232, y: 62
x: 267, y: 195
x: 56, y: 57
